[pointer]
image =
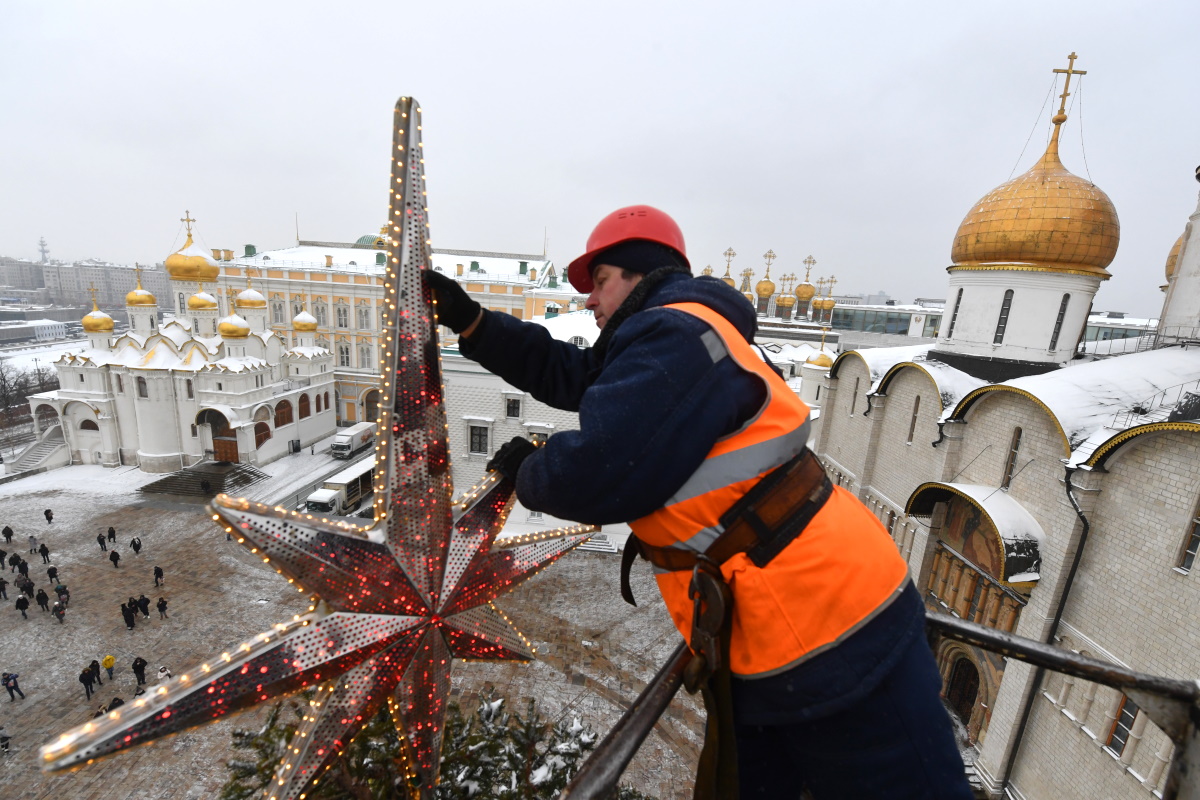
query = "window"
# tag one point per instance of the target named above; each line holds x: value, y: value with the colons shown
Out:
x: 1118, y: 737
x: 364, y: 317
x: 262, y: 432
x: 195, y: 432
x: 277, y: 312
x: 297, y: 307
x: 1193, y: 544
x: 318, y: 404
x: 479, y: 439
x: 512, y: 407
x: 191, y: 394
x: 343, y: 351
x: 283, y: 413
x: 1010, y: 465
x: 854, y: 396
x: 120, y: 385
x: 82, y: 379
x: 182, y: 303
x: 1002, y: 322
x: 1062, y: 312
x: 538, y: 437
x: 954, y: 315
x: 304, y: 408
x: 535, y: 515
x: 343, y: 317
x: 327, y: 399
x: 321, y: 313
x: 142, y: 391
x: 364, y: 356
x: 220, y: 387
x: 88, y: 425
x: 912, y: 424
x: 579, y: 341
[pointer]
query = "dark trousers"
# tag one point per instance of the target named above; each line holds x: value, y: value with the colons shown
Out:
x: 896, y: 743
x: 87, y: 687
x: 12, y: 698
x: 141, y: 677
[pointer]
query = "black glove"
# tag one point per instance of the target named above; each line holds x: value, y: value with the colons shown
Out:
x: 509, y: 457
x: 455, y: 308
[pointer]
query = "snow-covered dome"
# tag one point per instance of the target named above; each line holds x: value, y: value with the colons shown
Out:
x: 201, y: 301
x: 97, y: 321
x: 304, y: 321
x: 250, y: 298
x: 233, y: 327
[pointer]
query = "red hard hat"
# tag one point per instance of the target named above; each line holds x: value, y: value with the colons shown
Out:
x: 623, y: 225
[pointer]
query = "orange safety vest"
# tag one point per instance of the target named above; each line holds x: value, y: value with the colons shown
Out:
x: 833, y: 578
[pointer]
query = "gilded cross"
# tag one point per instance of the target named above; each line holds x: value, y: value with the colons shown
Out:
x: 187, y: 220
x: 137, y: 269
x: 769, y: 256
x: 1069, y: 71
x: 92, y: 291
x: 729, y: 256
x: 831, y: 284
x: 809, y: 263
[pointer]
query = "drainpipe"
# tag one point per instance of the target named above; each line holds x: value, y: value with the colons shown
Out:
x: 1058, y: 614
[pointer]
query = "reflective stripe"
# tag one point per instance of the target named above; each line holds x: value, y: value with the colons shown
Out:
x: 714, y: 345
x: 742, y: 464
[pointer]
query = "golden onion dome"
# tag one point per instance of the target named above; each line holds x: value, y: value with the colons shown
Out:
x: 233, y: 327
x: 250, y: 298
x: 765, y: 287
x: 1046, y: 217
x: 201, y: 301
x: 191, y: 263
x: 805, y: 292
x: 139, y: 296
x: 820, y: 359
x: 786, y: 301
x: 304, y: 321
x: 749, y: 297
x: 96, y: 321
x: 1173, y: 257
x: 728, y: 281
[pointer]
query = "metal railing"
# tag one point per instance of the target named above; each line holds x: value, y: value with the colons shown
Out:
x: 1171, y: 704
x: 1156, y: 407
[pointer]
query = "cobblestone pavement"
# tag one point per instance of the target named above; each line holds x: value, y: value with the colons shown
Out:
x: 595, y: 653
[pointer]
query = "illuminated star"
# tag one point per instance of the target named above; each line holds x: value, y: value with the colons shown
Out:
x: 396, y: 602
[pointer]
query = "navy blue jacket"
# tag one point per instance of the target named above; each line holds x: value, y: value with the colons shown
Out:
x: 649, y: 411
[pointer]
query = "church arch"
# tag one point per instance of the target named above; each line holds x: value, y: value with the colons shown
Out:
x: 963, y: 688
x: 318, y: 402
x: 216, y: 421
x: 47, y: 417
x: 283, y: 413
x: 305, y: 409
x: 262, y: 433
x: 89, y: 425
x: 262, y: 413
x: 960, y: 411
x: 371, y: 405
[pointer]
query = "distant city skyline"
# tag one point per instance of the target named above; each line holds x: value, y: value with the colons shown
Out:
x: 858, y: 135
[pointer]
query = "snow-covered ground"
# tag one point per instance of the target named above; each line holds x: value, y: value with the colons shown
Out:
x: 45, y: 355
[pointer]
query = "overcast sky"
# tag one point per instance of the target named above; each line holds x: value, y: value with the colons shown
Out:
x: 859, y: 133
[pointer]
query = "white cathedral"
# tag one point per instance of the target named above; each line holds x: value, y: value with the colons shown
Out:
x: 166, y: 396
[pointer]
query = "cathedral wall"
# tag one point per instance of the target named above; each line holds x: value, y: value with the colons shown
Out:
x: 902, y: 465
x: 847, y: 435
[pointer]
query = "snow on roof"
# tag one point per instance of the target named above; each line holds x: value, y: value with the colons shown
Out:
x: 358, y: 259
x: 881, y: 359
x: 1088, y: 400
x: 308, y: 352
x: 952, y: 384
x: 1019, y: 531
x: 304, y: 316
x: 565, y: 327
x: 237, y: 364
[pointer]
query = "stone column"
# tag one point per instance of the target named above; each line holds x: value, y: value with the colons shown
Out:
x: 1135, y: 738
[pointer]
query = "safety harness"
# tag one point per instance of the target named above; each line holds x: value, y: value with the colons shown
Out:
x: 761, y: 524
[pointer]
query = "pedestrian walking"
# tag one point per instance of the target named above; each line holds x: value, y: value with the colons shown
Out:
x: 25, y: 585
x: 9, y: 681
x: 8, y: 534
x: 164, y: 674
x: 4, y: 740
x: 23, y: 567
x: 136, y: 544
x: 33, y: 544
x: 59, y: 612
x: 22, y: 605
x: 205, y: 486
x: 43, y: 599
x: 139, y: 670
x: 162, y: 608
x: 100, y: 541
x: 114, y: 557
x: 128, y: 616
x: 95, y: 668
x: 108, y: 662
x: 3, y: 556
x: 143, y: 603
x: 85, y: 677
x: 13, y: 560
x: 112, y: 534
x: 158, y: 576
x: 117, y: 702
x: 64, y: 596
x: 45, y: 553
x: 52, y: 574
x: 49, y: 516
x: 3, y: 589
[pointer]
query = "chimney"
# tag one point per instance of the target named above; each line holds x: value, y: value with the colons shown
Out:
x: 458, y: 270
x: 216, y: 254
x: 328, y: 260
x: 533, y: 275
x: 227, y: 255
x: 251, y: 251
x: 524, y: 265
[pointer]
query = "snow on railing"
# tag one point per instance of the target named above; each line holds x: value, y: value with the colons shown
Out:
x: 1158, y: 407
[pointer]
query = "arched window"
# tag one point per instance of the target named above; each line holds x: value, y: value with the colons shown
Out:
x: 1010, y: 465
x: 191, y: 391
x: 262, y: 432
x: 954, y: 315
x: 912, y: 425
x: 283, y: 413
x: 579, y: 341
x: 305, y: 411
x: 1002, y: 322
x: 327, y: 400
x: 318, y: 403
x: 88, y: 425
x: 1058, y: 323
x: 141, y: 387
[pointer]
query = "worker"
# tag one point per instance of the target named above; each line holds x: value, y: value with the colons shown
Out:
x: 810, y: 647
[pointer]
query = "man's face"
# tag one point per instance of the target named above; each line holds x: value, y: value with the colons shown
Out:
x: 610, y: 289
